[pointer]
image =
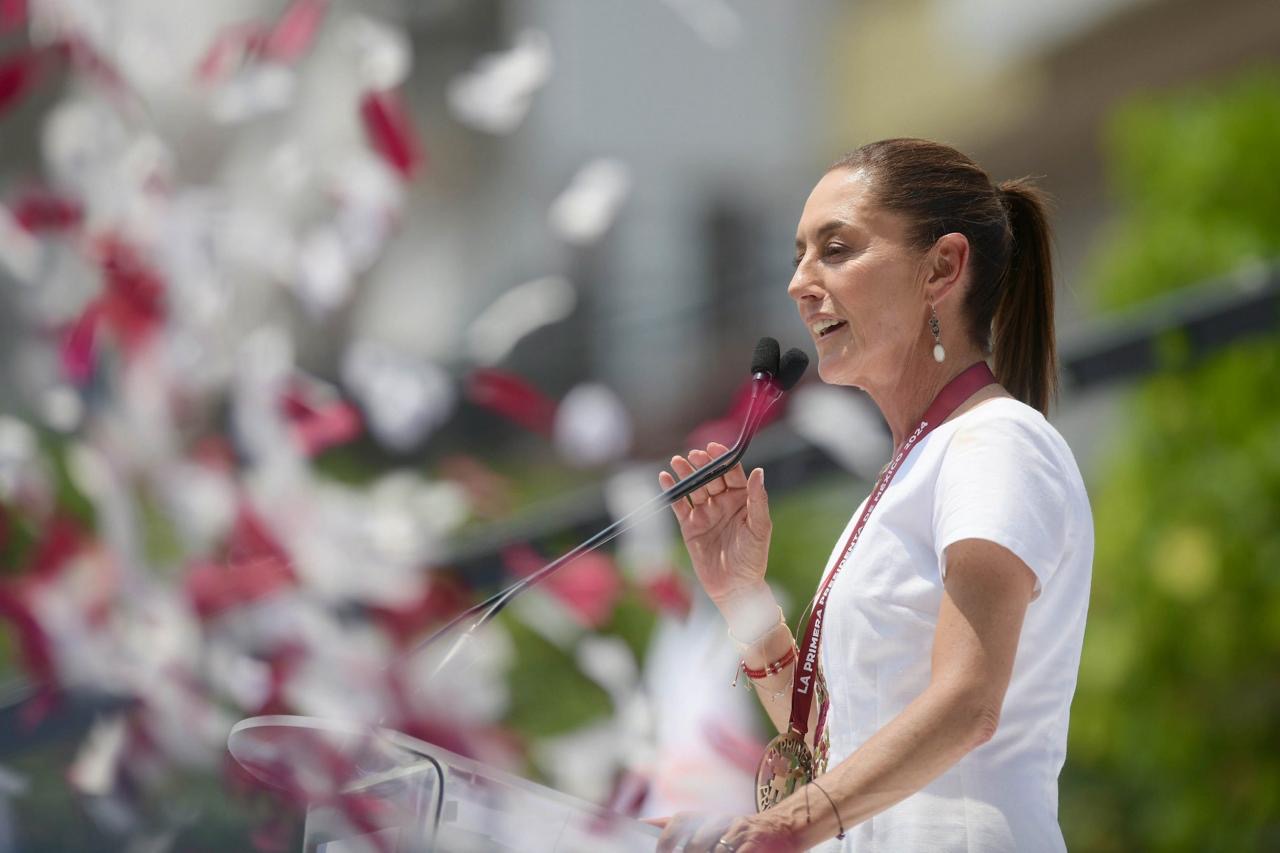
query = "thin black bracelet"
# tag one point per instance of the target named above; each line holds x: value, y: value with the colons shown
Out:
x: 839, y: 822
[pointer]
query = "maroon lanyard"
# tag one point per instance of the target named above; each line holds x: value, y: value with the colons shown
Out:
x: 948, y: 400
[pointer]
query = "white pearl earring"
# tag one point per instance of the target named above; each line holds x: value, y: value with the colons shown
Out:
x: 939, y: 354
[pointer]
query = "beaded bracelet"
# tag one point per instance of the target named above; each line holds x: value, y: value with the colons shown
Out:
x: 771, y: 669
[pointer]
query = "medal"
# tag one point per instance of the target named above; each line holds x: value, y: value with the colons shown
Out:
x: 788, y: 763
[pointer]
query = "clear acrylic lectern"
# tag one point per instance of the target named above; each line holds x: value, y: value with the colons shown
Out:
x: 371, y: 789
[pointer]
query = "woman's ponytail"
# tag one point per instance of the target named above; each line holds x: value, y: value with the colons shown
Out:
x: 1023, y: 349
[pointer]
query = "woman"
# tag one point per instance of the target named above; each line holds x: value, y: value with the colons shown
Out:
x: 952, y: 611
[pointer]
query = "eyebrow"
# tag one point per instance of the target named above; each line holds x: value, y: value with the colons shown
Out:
x: 827, y: 228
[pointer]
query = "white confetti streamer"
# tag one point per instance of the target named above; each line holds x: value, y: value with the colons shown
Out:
x: 518, y: 313
x: 584, y: 211
x: 497, y: 93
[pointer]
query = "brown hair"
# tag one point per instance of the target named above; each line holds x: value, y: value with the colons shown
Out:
x: 1009, y: 305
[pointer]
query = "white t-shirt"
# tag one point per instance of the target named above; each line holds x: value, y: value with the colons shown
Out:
x: 998, y: 472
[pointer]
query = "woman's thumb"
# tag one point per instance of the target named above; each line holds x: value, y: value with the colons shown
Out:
x: 757, y: 503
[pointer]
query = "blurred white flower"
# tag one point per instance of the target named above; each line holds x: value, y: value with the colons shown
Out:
x: 94, y: 770
x: 369, y: 196
x: 517, y: 313
x: 383, y: 54
x: 201, y: 502
x: 591, y: 427
x: 496, y: 94
x: 584, y: 211
x: 324, y: 277
x: 256, y: 89
x: 244, y: 679
x: 82, y: 139
x: 20, y: 466
x: 61, y: 408
x: 263, y: 365
x: 403, y: 397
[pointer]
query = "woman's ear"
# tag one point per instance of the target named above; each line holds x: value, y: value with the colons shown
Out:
x: 946, y: 264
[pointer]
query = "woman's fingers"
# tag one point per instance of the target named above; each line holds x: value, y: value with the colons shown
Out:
x: 702, y: 459
x: 683, y: 469
x: 679, y: 831
x: 734, y: 478
x: 681, y: 507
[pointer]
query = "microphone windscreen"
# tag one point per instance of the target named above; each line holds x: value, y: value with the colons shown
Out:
x: 765, y: 357
x: 792, y: 366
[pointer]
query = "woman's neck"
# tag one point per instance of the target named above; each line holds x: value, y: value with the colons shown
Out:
x: 904, y: 398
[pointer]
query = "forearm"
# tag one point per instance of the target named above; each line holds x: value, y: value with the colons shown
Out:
x: 930, y: 735
x: 773, y: 691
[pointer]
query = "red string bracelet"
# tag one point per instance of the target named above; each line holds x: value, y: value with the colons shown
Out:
x: 771, y: 669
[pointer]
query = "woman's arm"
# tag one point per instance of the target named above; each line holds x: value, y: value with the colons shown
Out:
x: 774, y: 691
x: 987, y: 591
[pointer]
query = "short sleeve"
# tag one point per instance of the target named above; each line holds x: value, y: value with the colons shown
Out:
x: 1000, y: 481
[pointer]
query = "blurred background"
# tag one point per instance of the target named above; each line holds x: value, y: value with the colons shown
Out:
x: 320, y: 319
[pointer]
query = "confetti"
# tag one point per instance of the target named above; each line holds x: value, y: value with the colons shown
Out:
x: 516, y: 314
x: 584, y: 211
x: 496, y: 95
x: 390, y: 130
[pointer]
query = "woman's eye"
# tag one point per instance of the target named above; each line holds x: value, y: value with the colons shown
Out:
x: 834, y: 249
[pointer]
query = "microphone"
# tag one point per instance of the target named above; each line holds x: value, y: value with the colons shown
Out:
x: 771, y: 377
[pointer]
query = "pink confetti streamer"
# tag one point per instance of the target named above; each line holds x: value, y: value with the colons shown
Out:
x: 13, y: 14
x: 390, y: 129
x: 513, y: 398
x: 319, y: 421
x: 41, y: 211
x: 739, y: 748
x: 132, y: 303
x: 590, y: 586
x: 295, y: 31
x: 78, y: 345
x: 725, y: 429
x: 229, y: 48
x: 18, y: 74
x: 256, y: 567
x: 669, y: 593
x: 286, y: 41
x: 83, y: 57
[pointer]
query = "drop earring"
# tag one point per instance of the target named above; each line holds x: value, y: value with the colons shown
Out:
x: 939, y: 354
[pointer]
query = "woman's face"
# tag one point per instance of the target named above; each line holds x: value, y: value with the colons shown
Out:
x: 857, y: 283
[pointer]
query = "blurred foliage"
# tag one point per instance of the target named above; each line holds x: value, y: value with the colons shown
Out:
x: 1175, y: 729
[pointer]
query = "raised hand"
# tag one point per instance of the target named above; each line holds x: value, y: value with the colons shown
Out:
x: 725, y: 525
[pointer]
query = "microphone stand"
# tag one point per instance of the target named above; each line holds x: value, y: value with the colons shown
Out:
x: 765, y: 391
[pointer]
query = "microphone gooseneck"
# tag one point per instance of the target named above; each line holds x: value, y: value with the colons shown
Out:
x: 771, y: 377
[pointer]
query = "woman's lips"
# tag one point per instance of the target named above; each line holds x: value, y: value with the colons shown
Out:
x: 828, y: 328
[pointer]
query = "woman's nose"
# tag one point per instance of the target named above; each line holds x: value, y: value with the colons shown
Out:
x: 804, y: 284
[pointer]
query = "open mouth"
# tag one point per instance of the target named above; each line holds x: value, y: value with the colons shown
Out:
x: 822, y: 328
